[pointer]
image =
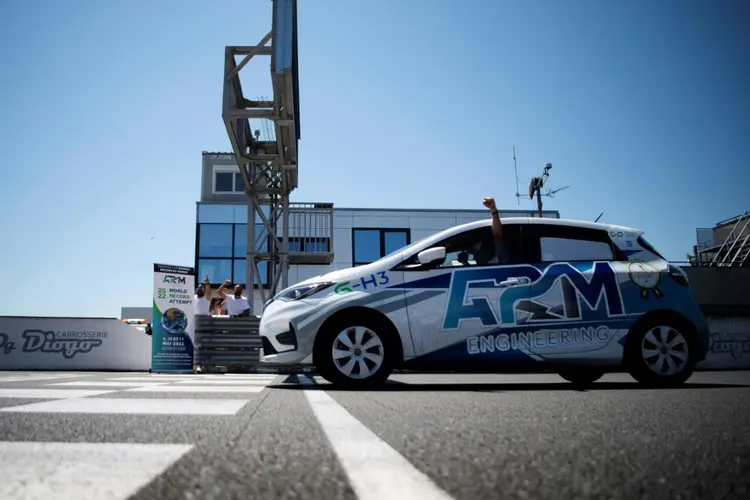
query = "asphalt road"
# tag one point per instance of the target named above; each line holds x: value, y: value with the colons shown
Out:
x: 423, y: 437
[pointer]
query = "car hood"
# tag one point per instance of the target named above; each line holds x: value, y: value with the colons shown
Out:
x: 342, y: 274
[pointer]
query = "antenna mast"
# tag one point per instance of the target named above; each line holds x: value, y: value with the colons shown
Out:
x: 515, y: 167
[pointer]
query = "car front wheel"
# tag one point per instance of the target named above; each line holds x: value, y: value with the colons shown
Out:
x: 355, y: 354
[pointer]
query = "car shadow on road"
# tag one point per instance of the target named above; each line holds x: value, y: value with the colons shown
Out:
x: 293, y: 383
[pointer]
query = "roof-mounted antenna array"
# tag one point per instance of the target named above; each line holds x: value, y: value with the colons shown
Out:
x: 536, y: 184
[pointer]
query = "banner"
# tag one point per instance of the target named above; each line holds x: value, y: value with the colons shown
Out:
x: 173, y: 326
x: 39, y: 343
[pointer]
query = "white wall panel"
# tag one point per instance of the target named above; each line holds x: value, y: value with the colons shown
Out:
x: 418, y: 234
x: 380, y: 221
x: 343, y: 220
x: 342, y: 245
x: 434, y: 223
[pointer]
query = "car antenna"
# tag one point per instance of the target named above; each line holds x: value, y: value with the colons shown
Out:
x: 600, y: 216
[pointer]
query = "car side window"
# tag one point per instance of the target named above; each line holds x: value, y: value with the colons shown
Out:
x: 476, y: 248
x: 570, y: 244
x: 472, y: 248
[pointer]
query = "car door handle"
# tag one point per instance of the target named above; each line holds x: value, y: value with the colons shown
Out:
x: 514, y: 281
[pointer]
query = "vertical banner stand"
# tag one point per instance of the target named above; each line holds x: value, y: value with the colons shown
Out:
x: 173, y: 324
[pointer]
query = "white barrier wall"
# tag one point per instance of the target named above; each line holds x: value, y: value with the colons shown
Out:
x: 38, y: 343
x: 729, y: 347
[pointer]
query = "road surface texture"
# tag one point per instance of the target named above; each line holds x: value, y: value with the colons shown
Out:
x: 146, y: 436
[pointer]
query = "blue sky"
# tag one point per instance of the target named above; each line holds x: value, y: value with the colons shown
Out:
x: 642, y: 107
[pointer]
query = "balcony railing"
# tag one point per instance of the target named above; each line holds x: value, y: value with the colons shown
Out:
x: 310, y: 233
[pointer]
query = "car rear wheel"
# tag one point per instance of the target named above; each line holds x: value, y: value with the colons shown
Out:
x: 355, y: 354
x: 661, y: 353
x: 582, y: 375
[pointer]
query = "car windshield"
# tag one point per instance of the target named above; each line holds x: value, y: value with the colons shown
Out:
x: 413, y: 244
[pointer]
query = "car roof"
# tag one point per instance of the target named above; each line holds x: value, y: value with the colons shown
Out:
x: 549, y: 221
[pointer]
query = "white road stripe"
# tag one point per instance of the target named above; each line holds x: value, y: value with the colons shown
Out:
x: 196, y: 388
x: 146, y: 379
x: 49, y: 393
x: 225, y: 382
x: 374, y: 469
x: 134, y: 406
x: 84, y: 471
x: 190, y: 379
x: 99, y: 383
x: 33, y: 378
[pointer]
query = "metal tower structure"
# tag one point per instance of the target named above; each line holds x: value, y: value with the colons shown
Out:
x: 269, y: 168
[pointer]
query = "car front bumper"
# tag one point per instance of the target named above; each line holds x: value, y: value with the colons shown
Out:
x: 281, y: 342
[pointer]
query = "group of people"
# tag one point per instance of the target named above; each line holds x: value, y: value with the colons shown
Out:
x: 232, y: 304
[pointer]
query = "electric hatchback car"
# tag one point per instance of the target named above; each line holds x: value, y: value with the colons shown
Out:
x: 577, y: 298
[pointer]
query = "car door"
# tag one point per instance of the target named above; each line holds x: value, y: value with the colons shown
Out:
x: 458, y: 298
x: 575, y: 309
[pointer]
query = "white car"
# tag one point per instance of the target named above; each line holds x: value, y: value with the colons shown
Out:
x: 574, y: 297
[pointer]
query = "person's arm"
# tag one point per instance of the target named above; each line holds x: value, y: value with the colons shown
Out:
x: 209, y: 292
x: 221, y: 292
x: 497, y: 228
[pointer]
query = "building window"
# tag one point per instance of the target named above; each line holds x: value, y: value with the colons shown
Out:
x: 370, y: 244
x: 218, y: 270
x: 221, y: 252
x: 240, y: 239
x: 240, y: 272
x: 215, y: 240
x: 228, y: 181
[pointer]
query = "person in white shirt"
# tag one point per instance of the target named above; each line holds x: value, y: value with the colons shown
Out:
x: 237, y: 304
x: 203, y: 298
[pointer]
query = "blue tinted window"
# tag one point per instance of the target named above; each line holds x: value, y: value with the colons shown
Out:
x: 316, y: 246
x: 240, y: 268
x: 294, y: 245
x: 215, y: 240
x: 240, y: 272
x: 239, y: 184
x: 366, y: 245
x: 240, y: 214
x: 240, y: 240
x: 261, y: 238
x: 266, y: 209
x: 216, y: 213
x: 218, y: 270
x: 224, y: 182
x: 394, y: 241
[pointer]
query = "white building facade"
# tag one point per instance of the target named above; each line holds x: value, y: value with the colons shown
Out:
x: 322, y: 238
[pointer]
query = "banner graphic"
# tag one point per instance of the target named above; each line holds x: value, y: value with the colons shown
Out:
x: 173, y: 325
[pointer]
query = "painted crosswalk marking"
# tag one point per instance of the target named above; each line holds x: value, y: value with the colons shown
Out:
x: 49, y: 393
x: 105, y: 383
x: 224, y: 382
x: 35, y: 378
x: 196, y: 388
x: 84, y: 471
x: 134, y: 406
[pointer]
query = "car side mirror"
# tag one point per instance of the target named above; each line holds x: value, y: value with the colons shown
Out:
x: 431, y: 255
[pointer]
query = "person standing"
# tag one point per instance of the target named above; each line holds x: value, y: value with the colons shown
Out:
x: 203, y: 298
x: 237, y: 304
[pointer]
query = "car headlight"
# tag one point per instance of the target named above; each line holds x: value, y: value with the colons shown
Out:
x: 302, y: 291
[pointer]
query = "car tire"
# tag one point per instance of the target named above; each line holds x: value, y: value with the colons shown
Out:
x: 365, y: 361
x: 661, y: 352
x: 581, y: 376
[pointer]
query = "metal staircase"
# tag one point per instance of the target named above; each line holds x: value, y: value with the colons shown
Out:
x: 735, y: 249
x: 269, y: 168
